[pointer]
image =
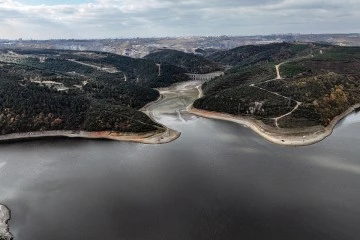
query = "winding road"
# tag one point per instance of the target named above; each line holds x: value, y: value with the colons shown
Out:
x: 277, y: 67
x: 105, y: 69
x: 278, y: 77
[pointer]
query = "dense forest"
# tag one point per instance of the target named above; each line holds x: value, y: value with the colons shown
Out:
x: 71, y: 90
x: 323, y: 96
x: 238, y: 76
x: 191, y: 63
x: 245, y: 100
x: 142, y: 72
x: 75, y: 90
x: 323, y: 79
x: 256, y: 54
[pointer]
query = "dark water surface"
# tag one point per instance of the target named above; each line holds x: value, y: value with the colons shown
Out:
x: 218, y: 181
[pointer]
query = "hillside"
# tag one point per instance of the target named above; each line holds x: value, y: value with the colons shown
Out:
x: 258, y: 54
x: 139, y: 71
x: 191, y: 63
x: 312, y: 89
x: 43, y: 90
x: 240, y: 76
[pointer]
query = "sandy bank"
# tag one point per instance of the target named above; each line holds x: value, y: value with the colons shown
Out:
x: 289, y: 137
x: 4, y: 219
x: 146, y: 109
x: 156, y: 137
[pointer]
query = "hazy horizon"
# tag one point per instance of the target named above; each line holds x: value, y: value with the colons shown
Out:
x: 102, y: 19
x: 164, y: 37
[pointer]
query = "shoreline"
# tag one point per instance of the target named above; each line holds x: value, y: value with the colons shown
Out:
x: 287, y: 137
x: 161, y: 97
x: 5, y: 216
x: 150, y: 114
x: 155, y: 137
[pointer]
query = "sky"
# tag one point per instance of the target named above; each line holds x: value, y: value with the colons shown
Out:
x: 63, y: 19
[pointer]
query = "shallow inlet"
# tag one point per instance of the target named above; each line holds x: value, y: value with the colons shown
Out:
x: 219, y: 180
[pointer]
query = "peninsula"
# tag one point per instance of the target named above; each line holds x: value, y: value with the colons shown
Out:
x: 4, y: 228
x: 54, y: 93
x: 291, y: 94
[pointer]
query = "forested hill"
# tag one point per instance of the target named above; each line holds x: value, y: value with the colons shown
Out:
x: 191, y: 63
x: 256, y: 54
x: 72, y: 90
x: 140, y: 71
x: 312, y: 90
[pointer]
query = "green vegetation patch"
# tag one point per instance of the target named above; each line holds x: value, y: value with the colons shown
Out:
x: 107, y: 117
x: 240, y: 76
x: 58, y: 65
x: 291, y: 69
x: 122, y: 93
x: 337, y: 53
x: 46, y: 91
x: 31, y: 107
x: 305, y: 116
x: 191, y: 63
x: 324, y: 96
x: 141, y: 72
x: 246, y: 100
x: 325, y: 78
x: 257, y: 54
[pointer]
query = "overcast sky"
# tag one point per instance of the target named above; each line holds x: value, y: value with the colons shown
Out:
x: 40, y: 19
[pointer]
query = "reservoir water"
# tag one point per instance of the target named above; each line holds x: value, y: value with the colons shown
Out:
x: 219, y: 180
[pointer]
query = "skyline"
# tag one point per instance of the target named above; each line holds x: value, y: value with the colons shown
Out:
x: 82, y: 19
x: 184, y: 37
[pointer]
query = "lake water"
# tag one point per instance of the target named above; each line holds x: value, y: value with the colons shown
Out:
x: 219, y: 180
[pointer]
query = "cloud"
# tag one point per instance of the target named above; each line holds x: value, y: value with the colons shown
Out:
x: 126, y: 18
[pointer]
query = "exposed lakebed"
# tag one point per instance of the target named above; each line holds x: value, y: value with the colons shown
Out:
x: 219, y: 180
